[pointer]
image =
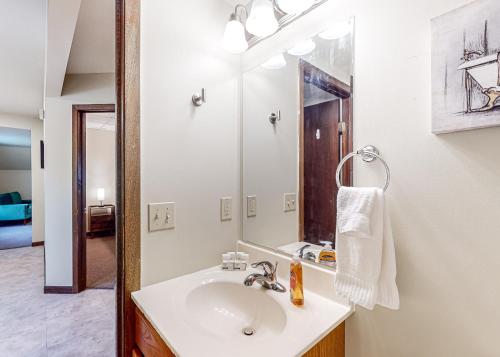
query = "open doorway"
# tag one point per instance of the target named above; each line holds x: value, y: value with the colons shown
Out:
x: 94, y: 197
x: 15, y: 188
x: 325, y: 138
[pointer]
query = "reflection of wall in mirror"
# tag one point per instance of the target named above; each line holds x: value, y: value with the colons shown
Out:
x: 270, y: 152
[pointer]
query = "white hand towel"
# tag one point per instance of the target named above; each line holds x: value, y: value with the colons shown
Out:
x: 366, y: 263
x: 356, y: 207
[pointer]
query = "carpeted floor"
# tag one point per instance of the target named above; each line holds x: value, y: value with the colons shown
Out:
x: 15, y: 236
x: 101, y: 263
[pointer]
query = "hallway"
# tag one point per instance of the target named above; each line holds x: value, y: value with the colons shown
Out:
x: 33, y: 324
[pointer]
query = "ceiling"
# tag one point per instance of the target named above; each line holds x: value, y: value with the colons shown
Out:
x: 93, y: 47
x: 101, y: 121
x: 22, y: 56
x: 15, y: 137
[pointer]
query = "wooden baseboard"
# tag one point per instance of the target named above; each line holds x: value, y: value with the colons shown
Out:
x: 58, y: 290
x: 37, y: 244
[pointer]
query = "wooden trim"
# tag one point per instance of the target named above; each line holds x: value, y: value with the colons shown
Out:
x: 37, y: 244
x: 58, y: 290
x: 324, y: 81
x: 345, y: 92
x: 78, y: 189
x: 128, y: 169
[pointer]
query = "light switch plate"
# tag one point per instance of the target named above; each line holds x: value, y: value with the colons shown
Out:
x: 161, y: 216
x: 290, y: 202
x: 251, y: 206
x: 226, y: 208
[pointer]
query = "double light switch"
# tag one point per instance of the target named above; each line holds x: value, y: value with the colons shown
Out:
x: 161, y: 216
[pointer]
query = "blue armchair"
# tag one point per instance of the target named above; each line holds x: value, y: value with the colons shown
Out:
x: 14, y: 208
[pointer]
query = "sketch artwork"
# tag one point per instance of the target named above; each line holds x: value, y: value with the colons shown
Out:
x: 466, y: 68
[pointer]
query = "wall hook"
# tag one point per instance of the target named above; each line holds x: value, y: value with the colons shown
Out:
x: 274, y: 117
x: 198, y: 99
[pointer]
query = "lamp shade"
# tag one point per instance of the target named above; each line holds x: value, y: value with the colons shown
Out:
x: 262, y: 22
x: 234, y: 40
x: 295, y: 6
x: 101, y: 194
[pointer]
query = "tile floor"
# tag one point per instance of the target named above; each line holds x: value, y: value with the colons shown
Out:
x: 33, y: 324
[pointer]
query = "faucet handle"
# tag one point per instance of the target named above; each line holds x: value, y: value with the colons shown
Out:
x: 268, y: 267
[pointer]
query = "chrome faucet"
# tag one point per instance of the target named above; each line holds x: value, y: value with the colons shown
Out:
x: 266, y: 280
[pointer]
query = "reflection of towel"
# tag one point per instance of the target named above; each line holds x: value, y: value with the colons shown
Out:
x: 366, y: 262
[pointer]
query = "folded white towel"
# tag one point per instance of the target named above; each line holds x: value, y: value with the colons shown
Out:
x: 366, y: 263
x: 356, y: 207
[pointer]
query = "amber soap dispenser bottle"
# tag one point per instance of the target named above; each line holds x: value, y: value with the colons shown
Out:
x: 296, y: 283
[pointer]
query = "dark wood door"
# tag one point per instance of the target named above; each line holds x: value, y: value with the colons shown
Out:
x: 321, y: 158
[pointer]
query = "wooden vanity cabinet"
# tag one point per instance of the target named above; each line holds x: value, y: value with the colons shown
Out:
x: 150, y: 344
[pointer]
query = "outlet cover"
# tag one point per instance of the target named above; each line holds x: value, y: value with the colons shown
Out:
x: 226, y: 208
x: 290, y: 202
x: 251, y: 206
x: 161, y: 216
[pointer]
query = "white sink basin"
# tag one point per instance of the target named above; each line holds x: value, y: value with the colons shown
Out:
x: 225, y: 309
x: 205, y: 314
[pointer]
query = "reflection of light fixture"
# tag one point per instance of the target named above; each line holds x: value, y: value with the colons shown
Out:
x: 101, y: 195
x: 336, y: 31
x: 275, y: 62
x: 294, y: 6
x: 261, y: 22
x: 234, y: 40
x: 302, y: 48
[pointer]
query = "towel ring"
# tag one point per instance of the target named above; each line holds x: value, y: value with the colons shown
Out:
x: 368, y: 154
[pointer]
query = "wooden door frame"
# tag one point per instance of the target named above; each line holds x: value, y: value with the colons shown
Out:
x: 332, y: 85
x: 128, y: 204
x: 79, y: 188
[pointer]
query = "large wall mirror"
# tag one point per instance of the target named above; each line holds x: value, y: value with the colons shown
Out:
x: 297, y: 126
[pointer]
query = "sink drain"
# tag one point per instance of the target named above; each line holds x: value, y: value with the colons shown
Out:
x: 248, y: 331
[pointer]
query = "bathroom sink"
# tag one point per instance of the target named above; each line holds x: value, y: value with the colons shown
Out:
x: 228, y: 308
x: 211, y: 313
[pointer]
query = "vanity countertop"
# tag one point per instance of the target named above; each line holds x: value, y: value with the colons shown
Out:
x: 204, y: 313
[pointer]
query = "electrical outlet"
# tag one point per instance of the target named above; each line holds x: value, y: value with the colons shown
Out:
x: 161, y: 216
x: 226, y: 208
x: 290, y: 202
x: 251, y: 206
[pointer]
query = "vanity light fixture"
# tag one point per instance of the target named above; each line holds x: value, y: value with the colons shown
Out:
x: 275, y: 62
x: 336, y: 31
x: 302, y: 48
x: 293, y: 7
x: 262, y: 21
x: 235, y: 40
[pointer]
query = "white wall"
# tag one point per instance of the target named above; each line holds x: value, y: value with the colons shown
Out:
x: 101, y: 165
x: 16, y: 180
x: 78, y: 89
x: 35, y: 125
x: 270, y: 156
x: 188, y: 155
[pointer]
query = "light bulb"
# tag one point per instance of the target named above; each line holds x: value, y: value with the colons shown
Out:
x: 336, y: 31
x: 234, y: 40
x: 275, y: 62
x: 261, y: 22
x: 295, y: 6
x: 302, y: 48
